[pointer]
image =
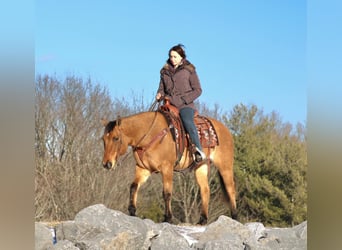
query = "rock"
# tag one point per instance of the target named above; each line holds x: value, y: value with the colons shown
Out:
x: 66, y: 230
x: 168, y: 238
x: 43, y: 236
x: 225, y: 233
x: 286, y: 238
x: 97, y: 227
x: 257, y: 229
x: 63, y: 245
x: 302, y: 230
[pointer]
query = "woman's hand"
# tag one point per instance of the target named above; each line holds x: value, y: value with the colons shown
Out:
x: 158, y: 96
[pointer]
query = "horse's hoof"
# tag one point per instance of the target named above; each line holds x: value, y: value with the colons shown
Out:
x: 203, y: 220
x: 235, y: 215
x: 131, y: 210
x: 168, y: 219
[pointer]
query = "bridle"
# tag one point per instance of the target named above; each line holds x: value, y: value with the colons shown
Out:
x: 120, y: 158
x: 140, y: 150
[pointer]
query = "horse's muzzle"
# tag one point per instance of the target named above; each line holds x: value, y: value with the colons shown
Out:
x: 107, y: 165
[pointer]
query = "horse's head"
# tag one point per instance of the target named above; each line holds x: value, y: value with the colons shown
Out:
x: 114, y: 143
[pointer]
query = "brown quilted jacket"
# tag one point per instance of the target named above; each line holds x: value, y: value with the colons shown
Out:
x: 182, y: 85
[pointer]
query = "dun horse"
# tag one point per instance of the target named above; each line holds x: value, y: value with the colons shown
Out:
x: 149, y: 135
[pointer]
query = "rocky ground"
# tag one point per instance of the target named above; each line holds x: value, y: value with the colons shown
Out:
x: 97, y: 227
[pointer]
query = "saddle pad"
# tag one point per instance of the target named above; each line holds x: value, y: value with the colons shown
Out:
x: 206, y: 132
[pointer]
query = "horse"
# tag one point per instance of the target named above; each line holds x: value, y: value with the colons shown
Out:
x: 149, y: 135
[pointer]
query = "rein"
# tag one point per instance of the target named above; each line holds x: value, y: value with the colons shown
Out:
x: 140, y: 150
x: 144, y: 136
x: 154, y: 105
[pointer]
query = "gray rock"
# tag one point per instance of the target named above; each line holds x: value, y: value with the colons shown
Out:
x: 67, y: 230
x: 97, y: 228
x: 63, y: 245
x: 257, y: 229
x: 43, y: 236
x: 286, y: 238
x: 226, y: 233
x: 168, y: 238
x: 100, y: 227
x: 302, y: 230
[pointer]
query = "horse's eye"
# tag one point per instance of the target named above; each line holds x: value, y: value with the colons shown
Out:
x: 115, y: 138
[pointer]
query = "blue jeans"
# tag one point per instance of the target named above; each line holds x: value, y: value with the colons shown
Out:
x: 187, y: 116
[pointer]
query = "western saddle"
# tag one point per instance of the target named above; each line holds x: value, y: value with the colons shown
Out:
x: 205, y: 129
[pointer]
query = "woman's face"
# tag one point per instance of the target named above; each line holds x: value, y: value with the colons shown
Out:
x: 175, y: 58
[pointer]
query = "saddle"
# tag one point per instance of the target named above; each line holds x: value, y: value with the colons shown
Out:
x: 206, y: 131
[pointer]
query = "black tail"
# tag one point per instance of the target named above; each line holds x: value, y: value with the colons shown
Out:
x: 223, y: 187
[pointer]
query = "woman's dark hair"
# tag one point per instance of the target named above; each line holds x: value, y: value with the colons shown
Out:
x: 179, y: 48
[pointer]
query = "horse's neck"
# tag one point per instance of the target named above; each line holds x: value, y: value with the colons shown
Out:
x: 138, y: 126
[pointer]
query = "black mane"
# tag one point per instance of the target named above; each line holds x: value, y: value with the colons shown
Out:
x: 110, y: 126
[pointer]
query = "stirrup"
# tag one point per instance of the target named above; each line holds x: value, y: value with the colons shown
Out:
x: 199, y: 155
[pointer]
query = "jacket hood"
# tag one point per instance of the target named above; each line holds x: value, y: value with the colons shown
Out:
x: 186, y: 65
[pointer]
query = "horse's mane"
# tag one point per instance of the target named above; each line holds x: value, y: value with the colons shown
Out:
x: 110, y: 126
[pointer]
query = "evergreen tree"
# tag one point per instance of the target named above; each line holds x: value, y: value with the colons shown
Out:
x: 270, y: 167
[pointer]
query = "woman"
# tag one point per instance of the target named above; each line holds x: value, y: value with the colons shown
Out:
x: 180, y: 83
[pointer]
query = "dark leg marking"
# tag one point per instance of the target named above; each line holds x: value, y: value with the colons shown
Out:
x: 131, y: 207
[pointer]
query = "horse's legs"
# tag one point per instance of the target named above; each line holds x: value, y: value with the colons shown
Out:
x: 229, y: 184
x: 202, y: 180
x: 141, y: 175
x: 167, y: 176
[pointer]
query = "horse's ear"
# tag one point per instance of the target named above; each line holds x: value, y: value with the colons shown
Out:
x: 118, y: 120
x: 104, y: 122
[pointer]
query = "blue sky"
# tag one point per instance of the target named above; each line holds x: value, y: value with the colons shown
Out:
x: 250, y: 52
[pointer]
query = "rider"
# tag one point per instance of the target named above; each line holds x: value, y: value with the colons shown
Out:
x: 180, y: 83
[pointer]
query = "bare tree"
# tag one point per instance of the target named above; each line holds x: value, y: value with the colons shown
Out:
x: 69, y: 175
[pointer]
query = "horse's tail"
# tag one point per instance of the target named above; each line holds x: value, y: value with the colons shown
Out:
x: 223, y: 187
x: 234, y: 213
